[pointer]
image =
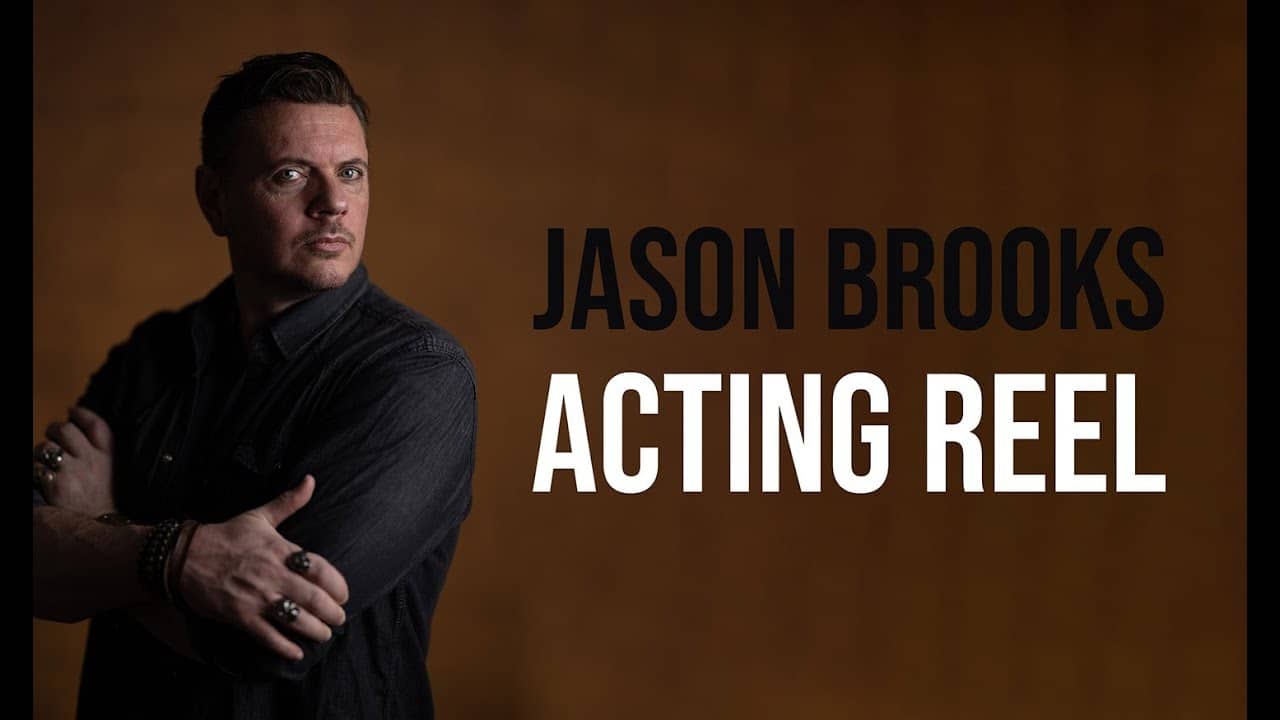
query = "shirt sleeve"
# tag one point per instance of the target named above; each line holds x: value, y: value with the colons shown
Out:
x: 392, y: 455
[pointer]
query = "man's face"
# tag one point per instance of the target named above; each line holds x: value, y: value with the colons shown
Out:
x: 295, y: 197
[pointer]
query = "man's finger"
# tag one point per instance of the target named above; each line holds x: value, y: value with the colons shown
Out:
x: 288, y: 502
x: 42, y: 478
x: 95, y: 428
x: 323, y: 573
x: 307, y: 625
x: 69, y: 438
x: 314, y: 598
x: 270, y: 638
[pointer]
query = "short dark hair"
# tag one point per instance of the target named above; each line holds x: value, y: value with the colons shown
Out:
x: 303, y: 77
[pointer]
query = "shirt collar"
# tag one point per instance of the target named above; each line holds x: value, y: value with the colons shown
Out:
x: 302, y: 322
x: 216, y: 318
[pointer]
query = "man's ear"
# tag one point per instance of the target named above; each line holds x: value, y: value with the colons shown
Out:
x: 209, y: 195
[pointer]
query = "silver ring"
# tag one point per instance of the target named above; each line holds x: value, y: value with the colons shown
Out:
x: 51, y: 456
x: 285, y: 610
x: 299, y: 562
x: 41, y: 476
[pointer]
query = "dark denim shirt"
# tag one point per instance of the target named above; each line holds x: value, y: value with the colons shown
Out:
x: 373, y: 399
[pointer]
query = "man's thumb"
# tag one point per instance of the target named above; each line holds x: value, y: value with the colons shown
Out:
x: 287, y: 502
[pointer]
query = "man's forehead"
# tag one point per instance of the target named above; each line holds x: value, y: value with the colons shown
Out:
x: 290, y: 128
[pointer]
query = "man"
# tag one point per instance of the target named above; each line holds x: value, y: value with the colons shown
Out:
x: 258, y: 496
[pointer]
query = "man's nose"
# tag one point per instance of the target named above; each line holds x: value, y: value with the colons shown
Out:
x: 329, y: 199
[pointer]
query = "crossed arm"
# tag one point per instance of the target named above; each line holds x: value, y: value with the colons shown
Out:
x: 81, y: 567
x: 392, y: 467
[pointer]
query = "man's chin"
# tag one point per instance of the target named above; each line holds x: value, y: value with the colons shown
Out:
x: 324, y: 275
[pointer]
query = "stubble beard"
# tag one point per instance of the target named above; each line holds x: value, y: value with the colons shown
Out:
x: 330, y: 275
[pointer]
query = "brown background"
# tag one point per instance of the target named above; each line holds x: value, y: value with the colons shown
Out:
x: 492, y: 125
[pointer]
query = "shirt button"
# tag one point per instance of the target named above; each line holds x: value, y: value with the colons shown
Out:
x: 166, y: 458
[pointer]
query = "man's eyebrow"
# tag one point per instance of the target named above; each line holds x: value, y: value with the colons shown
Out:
x: 303, y: 161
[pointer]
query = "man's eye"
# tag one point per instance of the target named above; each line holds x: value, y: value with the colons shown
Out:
x: 288, y: 175
x: 351, y: 173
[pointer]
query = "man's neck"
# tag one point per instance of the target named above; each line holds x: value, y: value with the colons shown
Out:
x: 258, y: 306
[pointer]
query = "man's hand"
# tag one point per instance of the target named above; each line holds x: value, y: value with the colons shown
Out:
x: 235, y: 572
x: 81, y: 479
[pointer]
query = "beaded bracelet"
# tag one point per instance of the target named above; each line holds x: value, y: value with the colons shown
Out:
x: 155, y: 555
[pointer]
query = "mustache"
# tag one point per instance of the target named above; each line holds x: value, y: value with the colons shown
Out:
x: 328, y: 232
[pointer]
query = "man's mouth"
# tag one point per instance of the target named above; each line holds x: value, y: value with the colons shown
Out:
x: 332, y: 235
x: 329, y: 243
